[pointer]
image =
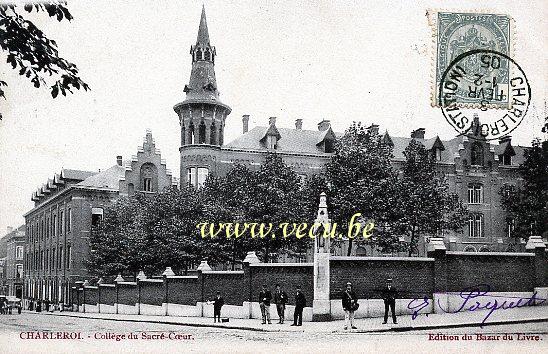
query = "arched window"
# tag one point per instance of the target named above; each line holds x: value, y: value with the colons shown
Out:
x: 149, y: 178
x: 202, y: 133
x: 477, y: 154
x: 213, y: 134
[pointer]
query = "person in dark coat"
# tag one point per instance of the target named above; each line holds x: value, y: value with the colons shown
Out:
x: 300, y: 303
x: 217, y: 304
x: 31, y: 304
x: 280, y: 299
x: 349, y: 304
x: 264, y: 301
x: 2, y: 306
x: 389, y: 295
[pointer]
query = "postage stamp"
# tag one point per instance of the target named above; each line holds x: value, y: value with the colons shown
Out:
x: 458, y: 33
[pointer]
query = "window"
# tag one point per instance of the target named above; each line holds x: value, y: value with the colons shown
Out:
x: 475, y: 194
x: 475, y: 226
x: 54, y: 225
x: 302, y: 180
x: 197, y: 176
x: 505, y: 159
x: 19, y: 253
x: 46, y: 260
x: 147, y: 184
x: 53, y: 259
x: 271, y: 142
x: 437, y: 154
x: 477, y: 154
x: 207, y: 55
x: 130, y: 189
x: 60, y: 258
x: 328, y: 145
x: 149, y: 178
x: 62, y: 222
x: 19, y: 274
x: 96, y: 216
x: 69, y: 255
x: 198, y: 54
x: 69, y: 220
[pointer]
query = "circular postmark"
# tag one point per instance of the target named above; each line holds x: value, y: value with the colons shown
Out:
x: 498, y: 85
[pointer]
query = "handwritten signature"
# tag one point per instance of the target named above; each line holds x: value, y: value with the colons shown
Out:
x: 470, y: 303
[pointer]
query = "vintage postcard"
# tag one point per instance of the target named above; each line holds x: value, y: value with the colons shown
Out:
x: 265, y: 177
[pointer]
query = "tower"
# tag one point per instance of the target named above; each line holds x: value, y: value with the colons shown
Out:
x: 202, y: 114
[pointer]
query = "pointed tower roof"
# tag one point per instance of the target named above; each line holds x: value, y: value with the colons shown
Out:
x: 203, y: 34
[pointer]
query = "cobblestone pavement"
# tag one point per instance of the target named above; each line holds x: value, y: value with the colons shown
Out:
x: 206, y: 339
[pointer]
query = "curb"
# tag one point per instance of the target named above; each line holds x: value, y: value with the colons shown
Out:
x: 378, y: 330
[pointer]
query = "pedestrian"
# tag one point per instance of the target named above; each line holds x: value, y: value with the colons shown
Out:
x: 217, y: 304
x: 389, y: 295
x: 300, y: 303
x: 2, y: 306
x: 31, y: 304
x: 350, y: 305
x: 280, y: 299
x: 38, y: 305
x: 264, y: 301
x: 46, y: 304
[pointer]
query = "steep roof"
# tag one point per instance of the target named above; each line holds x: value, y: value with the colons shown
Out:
x: 203, y: 34
x: 291, y: 140
x: 305, y: 142
x: 108, y: 178
x: 76, y: 174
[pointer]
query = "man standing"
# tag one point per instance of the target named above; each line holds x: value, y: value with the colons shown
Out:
x: 280, y: 299
x: 350, y: 305
x: 217, y: 304
x: 389, y: 297
x: 264, y: 301
x: 300, y: 303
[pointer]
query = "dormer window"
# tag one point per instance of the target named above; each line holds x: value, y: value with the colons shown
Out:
x: 505, y: 159
x: 436, y: 154
x: 329, y: 145
x: 271, y: 142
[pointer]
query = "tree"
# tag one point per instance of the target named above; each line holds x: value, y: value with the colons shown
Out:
x: 149, y: 233
x: 527, y: 206
x: 31, y: 52
x: 362, y: 180
x: 425, y: 204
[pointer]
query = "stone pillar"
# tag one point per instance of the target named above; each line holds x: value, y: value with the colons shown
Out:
x: 321, y: 306
x: 536, y: 245
x: 436, y: 249
x: 250, y: 258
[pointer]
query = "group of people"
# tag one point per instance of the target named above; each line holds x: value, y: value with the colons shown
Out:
x: 350, y: 303
x: 280, y: 299
x: 7, y: 309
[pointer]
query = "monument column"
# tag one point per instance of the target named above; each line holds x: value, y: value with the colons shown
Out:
x: 321, y: 306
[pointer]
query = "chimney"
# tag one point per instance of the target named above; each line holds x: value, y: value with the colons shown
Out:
x: 10, y: 229
x: 373, y: 129
x: 272, y: 120
x: 119, y: 160
x: 323, y: 125
x: 245, y: 121
x: 505, y: 139
x: 298, y: 124
x: 418, y: 133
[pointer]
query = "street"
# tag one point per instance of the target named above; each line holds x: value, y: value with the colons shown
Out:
x: 23, y: 333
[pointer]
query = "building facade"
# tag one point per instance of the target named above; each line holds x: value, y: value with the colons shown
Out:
x: 66, y: 208
x: 13, y: 267
x: 475, y: 169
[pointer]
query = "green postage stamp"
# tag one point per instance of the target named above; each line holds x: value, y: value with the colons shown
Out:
x: 458, y: 34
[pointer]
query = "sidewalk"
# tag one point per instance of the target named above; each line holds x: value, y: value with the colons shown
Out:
x: 365, y: 325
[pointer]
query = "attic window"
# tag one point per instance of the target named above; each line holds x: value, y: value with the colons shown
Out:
x: 271, y: 142
x: 437, y: 154
x: 505, y: 159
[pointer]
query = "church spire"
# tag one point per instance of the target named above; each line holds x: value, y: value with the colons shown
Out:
x: 203, y: 35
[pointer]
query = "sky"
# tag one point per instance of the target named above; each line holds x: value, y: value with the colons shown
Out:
x: 368, y: 61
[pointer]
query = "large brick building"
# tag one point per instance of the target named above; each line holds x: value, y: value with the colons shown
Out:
x: 13, y: 267
x: 66, y: 207
x: 475, y: 169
